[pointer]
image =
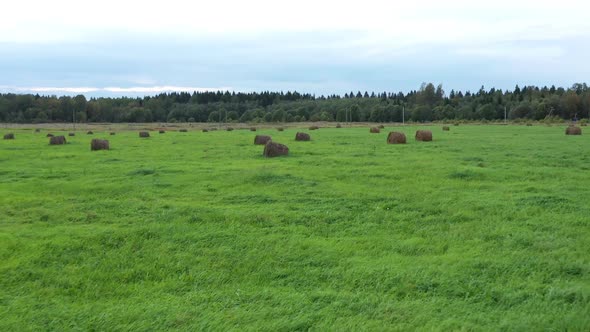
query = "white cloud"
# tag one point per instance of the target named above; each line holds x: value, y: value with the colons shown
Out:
x: 115, y: 90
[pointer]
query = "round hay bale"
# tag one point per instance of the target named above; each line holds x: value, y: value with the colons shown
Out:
x: 302, y: 137
x: 314, y: 128
x: 573, y: 130
x: 112, y: 133
x: 529, y: 124
x: 49, y: 135
x: 272, y: 149
x: 456, y: 124
x: 338, y: 125
x: 229, y: 129
x: 395, y: 137
x: 381, y: 126
x: 583, y: 124
x: 57, y: 140
x: 71, y: 134
x: 183, y: 130
x: 99, y: 144
x: 9, y: 136
x: 261, y: 139
x: 37, y: 130
x: 446, y: 128
x: 89, y: 132
x: 280, y: 128
x: 424, y: 135
x: 374, y: 130
x: 162, y: 131
x: 205, y: 130
x: 252, y: 128
x: 144, y: 134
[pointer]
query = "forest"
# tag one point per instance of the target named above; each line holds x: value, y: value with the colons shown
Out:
x: 428, y: 103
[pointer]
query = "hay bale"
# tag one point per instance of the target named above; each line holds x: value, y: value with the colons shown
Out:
x: 529, y: 124
x: 302, y: 137
x: 144, y: 134
x: 89, y: 132
x: 183, y: 130
x: 583, y: 124
x: 49, y: 135
x: 205, y: 130
x: 261, y: 139
x: 229, y: 128
x: 99, y: 144
x: 272, y: 149
x: 57, y: 140
x: 71, y: 134
x: 314, y: 128
x: 395, y: 137
x: 573, y: 130
x: 374, y: 130
x: 381, y: 126
x: 424, y: 135
x: 9, y: 136
x: 338, y: 125
x: 37, y: 130
x: 456, y: 124
x: 446, y: 128
x: 162, y: 131
x: 252, y: 128
x: 280, y: 128
x: 112, y: 133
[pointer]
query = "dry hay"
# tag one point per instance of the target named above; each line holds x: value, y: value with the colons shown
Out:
x: 71, y: 134
x: 280, y: 128
x: 424, y: 135
x: 302, y: 137
x: 205, y: 130
x: 446, y: 128
x: 112, y: 133
x: 162, y: 131
x: 374, y: 130
x: 395, y: 137
x: 99, y: 144
x: 183, y: 130
x: 584, y: 124
x: 144, y: 134
x: 381, y: 126
x: 252, y: 128
x: 37, y: 130
x: 338, y: 125
x: 314, y: 128
x: 529, y: 124
x: 261, y: 139
x: 9, y: 136
x: 89, y: 132
x: 57, y: 140
x: 229, y: 129
x: 573, y: 130
x: 49, y: 135
x: 272, y: 149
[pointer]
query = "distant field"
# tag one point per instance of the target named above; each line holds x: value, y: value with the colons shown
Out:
x: 485, y: 228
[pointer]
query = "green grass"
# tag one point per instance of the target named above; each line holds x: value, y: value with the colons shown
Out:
x: 485, y: 228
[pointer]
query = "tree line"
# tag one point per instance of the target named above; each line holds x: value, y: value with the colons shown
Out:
x: 428, y: 103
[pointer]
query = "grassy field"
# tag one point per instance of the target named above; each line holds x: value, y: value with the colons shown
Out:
x: 485, y: 228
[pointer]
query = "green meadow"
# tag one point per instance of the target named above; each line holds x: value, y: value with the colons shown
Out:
x: 487, y: 227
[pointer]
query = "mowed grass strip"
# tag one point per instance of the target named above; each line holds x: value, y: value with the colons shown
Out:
x: 484, y: 228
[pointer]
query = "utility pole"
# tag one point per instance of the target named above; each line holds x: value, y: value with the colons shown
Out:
x: 505, y: 114
x: 74, y: 119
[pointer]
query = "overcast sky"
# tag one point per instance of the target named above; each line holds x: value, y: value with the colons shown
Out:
x: 144, y: 47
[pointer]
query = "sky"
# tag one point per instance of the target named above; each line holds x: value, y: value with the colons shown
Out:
x: 137, y: 48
